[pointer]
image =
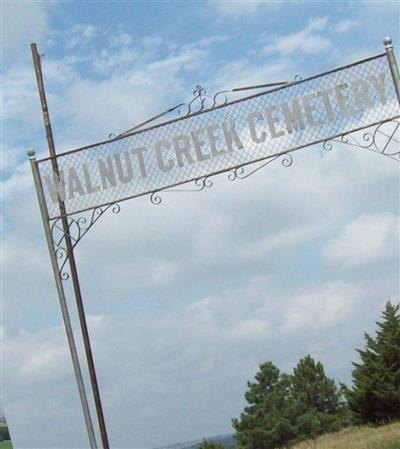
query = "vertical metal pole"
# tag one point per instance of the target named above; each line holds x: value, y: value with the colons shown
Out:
x: 71, y: 258
x: 393, y: 64
x: 63, y: 303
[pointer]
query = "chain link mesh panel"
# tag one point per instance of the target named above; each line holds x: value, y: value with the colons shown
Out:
x: 220, y: 139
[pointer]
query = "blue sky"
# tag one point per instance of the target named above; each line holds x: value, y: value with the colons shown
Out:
x: 187, y: 298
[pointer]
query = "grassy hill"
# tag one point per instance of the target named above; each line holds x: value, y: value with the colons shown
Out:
x: 385, y: 437
x: 227, y: 440
x: 365, y: 437
x: 6, y: 445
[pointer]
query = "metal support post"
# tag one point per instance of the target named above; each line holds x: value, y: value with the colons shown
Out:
x: 393, y: 64
x: 70, y: 252
x: 63, y: 302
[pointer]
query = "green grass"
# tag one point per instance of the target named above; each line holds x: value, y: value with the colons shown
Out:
x: 365, y: 437
x: 5, y: 445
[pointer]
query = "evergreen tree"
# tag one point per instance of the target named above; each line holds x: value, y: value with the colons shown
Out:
x: 375, y: 396
x: 320, y: 407
x: 4, y: 434
x: 286, y: 409
x: 267, y: 423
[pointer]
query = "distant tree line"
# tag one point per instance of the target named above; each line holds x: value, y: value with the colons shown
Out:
x: 284, y: 409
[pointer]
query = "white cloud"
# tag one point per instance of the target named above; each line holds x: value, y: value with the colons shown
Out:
x: 242, y: 72
x: 18, y: 183
x: 20, y: 100
x: 131, y: 89
x: 320, y: 308
x: 368, y: 239
x: 311, y: 40
x: 252, y: 329
x: 47, y: 364
x: 120, y: 39
x: 80, y: 35
x: 345, y: 25
x: 9, y: 157
x: 194, y: 361
x: 127, y: 96
x: 22, y: 24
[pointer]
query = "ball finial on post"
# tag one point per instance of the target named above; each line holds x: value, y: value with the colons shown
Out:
x: 31, y: 154
x: 388, y: 42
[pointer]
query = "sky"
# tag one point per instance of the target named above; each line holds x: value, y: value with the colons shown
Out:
x: 185, y: 299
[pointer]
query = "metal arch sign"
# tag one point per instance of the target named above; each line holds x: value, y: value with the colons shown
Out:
x: 256, y: 128
x: 212, y: 141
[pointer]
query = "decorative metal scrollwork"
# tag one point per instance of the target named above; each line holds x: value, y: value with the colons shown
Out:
x: 233, y: 175
x: 202, y: 101
x: 383, y: 139
x: 241, y: 173
x: 198, y: 185
x: 77, y: 229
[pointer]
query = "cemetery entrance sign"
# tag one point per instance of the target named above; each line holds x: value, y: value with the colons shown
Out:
x: 222, y: 138
x: 219, y: 136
